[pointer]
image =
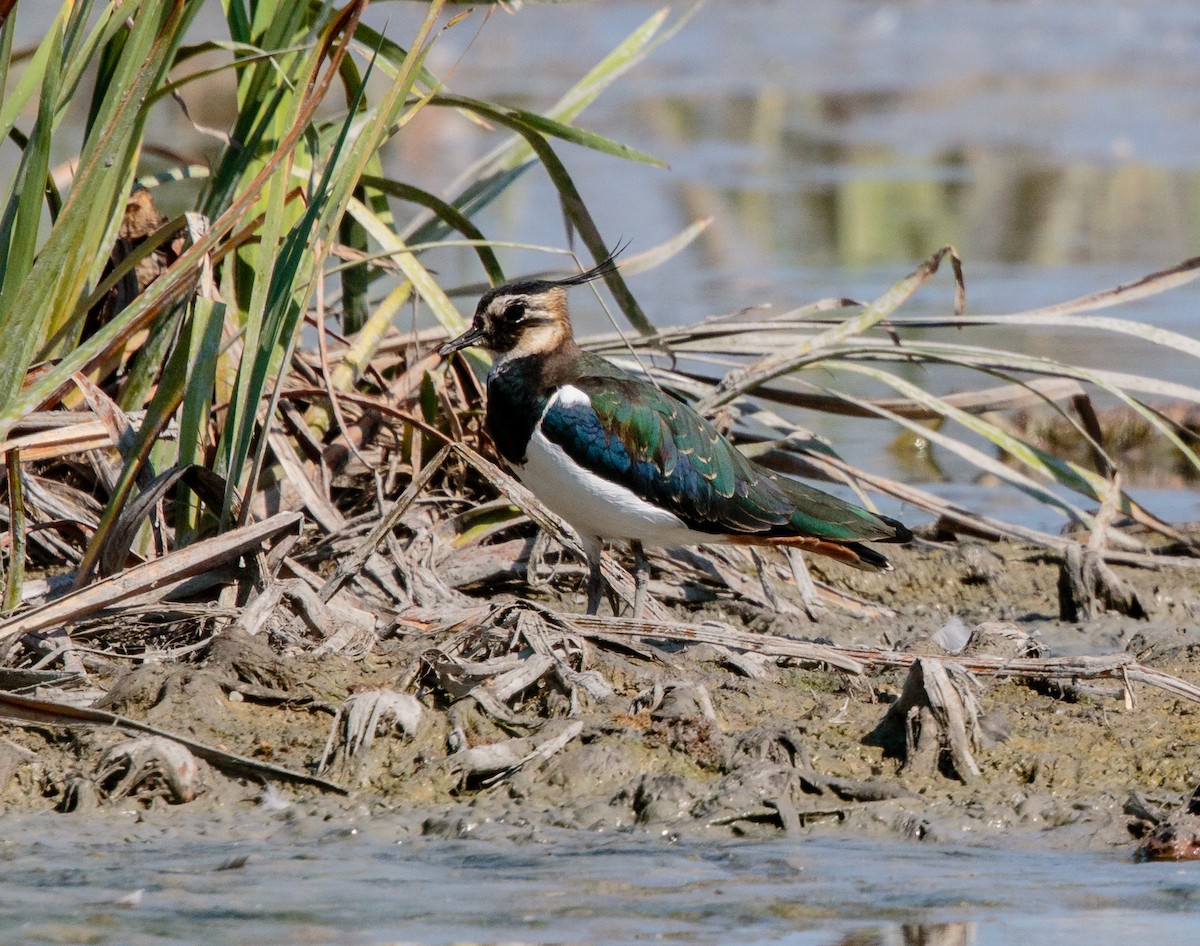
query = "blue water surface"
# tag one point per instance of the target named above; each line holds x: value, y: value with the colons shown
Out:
x: 168, y: 881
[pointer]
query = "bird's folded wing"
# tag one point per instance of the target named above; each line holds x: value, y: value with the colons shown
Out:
x: 630, y: 433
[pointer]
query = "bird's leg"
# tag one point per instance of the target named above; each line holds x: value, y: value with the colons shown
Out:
x: 595, y: 580
x: 595, y: 585
x: 641, y: 578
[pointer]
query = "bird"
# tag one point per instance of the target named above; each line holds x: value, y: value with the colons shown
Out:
x: 622, y: 460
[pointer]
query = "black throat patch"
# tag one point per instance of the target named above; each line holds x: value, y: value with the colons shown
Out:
x: 517, y: 396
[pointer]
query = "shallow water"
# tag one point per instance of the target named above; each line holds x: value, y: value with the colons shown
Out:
x: 315, y: 882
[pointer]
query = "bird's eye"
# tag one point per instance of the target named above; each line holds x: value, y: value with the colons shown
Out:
x: 514, y: 311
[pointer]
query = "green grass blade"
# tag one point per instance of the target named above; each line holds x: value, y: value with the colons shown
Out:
x: 21, y: 321
x: 14, y: 578
x: 78, y: 243
x: 392, y: 53
x: 575, y: 210
x: 469, y: 203
x: 1118, y: 385
x: 159, y: 412
x: 630, y: 52
x: 202, y: 340
x: 546, y: 126
x: 34, y: 72
x: 446, y: 213
x: 1082, y: 481
x: 6, y: 41
x: 426, y: 285
x: 483, y: 181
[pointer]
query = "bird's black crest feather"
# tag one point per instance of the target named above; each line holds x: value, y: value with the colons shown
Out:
x: 603, y: 268
x: 532, y: 287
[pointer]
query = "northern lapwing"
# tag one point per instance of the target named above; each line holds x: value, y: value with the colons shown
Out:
x: 620, y: 459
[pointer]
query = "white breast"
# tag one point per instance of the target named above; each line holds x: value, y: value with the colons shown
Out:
x: 596, y: 507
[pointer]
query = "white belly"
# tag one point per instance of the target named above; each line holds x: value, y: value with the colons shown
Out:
x: 596, y: 507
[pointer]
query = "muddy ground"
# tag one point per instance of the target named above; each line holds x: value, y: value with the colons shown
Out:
x: 671, y: 737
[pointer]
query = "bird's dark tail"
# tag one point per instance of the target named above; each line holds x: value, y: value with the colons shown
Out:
x: 867, y: 558
x: 902, y: 534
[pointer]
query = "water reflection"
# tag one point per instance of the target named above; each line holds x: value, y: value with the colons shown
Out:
x: 781, y: 174
x: 913, y: 934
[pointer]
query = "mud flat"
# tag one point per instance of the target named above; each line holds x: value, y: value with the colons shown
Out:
x: 512, y: 714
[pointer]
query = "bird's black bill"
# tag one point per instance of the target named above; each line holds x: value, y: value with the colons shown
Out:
x: 471, y: 336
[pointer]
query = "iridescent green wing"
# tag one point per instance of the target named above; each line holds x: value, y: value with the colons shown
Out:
x: 629, y: 432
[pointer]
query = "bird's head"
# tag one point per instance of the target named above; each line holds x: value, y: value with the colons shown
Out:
x: 518, y: 318
x: 526, y: 317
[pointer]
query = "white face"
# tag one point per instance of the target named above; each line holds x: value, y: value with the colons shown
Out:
x: 514, y: 321
x: 525, y: 317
